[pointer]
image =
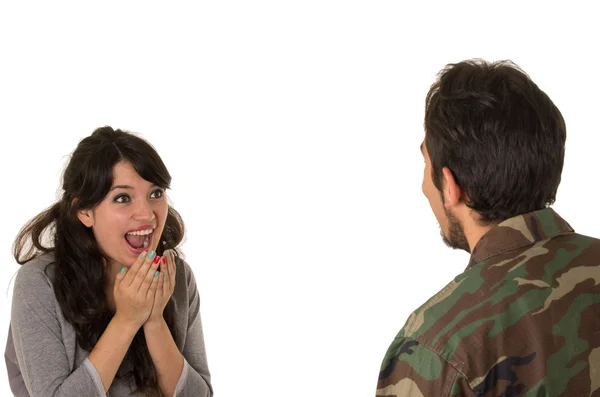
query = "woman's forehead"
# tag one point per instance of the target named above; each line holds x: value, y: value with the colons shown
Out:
x: 125, y: 175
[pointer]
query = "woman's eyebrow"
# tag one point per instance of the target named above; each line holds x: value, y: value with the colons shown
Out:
x: 127, y: 187
x: 121, y: 187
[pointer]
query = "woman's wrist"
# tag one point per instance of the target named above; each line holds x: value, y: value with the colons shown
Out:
x: 126, y: 324
x: 154, y: 323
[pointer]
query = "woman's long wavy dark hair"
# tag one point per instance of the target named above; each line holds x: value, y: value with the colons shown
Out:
x: 79, y: 262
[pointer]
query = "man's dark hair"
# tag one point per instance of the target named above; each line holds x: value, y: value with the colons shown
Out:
x: 500, y: 135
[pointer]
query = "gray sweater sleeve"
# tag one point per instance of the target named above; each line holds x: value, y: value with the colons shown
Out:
x: 195, y: 377
x: 40, y: 352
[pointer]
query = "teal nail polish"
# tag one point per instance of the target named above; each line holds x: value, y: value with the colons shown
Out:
x: 143, y: 255
x: 162, y: 274
x: 168, y: 254
x: 123, y: 270
x: 155, y: 274
x: 152, y: 255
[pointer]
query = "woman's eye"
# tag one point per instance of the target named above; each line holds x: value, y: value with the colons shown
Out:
x: 122, y: 198
x: 158, y: 193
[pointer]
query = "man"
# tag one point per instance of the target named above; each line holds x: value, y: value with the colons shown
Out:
x: 523, y: 319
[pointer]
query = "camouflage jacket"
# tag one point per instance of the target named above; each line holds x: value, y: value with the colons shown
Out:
x: 522, y: 320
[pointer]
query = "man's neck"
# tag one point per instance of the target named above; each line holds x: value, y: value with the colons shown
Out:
x: 471, y: 227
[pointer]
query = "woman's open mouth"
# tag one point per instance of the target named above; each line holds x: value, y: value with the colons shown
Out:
x: 139, y: 240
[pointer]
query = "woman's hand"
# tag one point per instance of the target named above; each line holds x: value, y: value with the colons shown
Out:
x: 166, y: 286
x: 135, y: 289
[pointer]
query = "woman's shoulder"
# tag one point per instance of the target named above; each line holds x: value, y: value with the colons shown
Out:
x: 185, y: 271
x: 36, y: 272
x: 186, y: 283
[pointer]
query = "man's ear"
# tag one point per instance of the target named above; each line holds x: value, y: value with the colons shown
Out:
x: 452, y: 191
x: 85, y: 216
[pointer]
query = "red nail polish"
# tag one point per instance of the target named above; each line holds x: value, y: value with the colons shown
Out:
x: 156, y: 259
x: 164, y: 260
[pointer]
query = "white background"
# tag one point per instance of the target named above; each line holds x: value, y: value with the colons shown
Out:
x: 292, y: 133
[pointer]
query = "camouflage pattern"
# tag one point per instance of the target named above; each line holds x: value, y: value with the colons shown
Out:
x: 522, y: 320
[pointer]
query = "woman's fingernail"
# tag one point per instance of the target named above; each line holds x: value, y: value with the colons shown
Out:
x: 123, y: 270
x: 167, y: 253
x: 162, y: 274
x: 164, y: 259
x: 152, y: 254
x: 155, y: 274
x: 143, y: 255
x: 157, y: 259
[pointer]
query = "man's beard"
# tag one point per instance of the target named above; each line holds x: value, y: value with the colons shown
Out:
x: 456, y: 238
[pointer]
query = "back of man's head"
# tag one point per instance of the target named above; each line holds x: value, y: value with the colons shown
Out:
x: 500, y: 135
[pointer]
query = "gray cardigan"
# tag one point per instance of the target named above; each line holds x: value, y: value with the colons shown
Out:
x: 44, y: 359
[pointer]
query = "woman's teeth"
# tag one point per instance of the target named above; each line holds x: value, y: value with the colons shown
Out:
x: 141, y: 232
x: 140, y: 239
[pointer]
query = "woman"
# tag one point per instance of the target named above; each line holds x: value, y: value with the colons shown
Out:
x: 104, y: 305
